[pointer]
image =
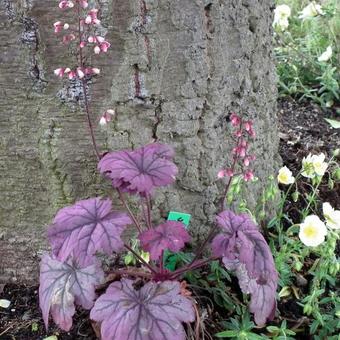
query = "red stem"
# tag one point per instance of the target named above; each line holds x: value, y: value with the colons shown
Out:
x: 134, y: 219
x: 140, y: 259
x: 192, y: 266
x: 84, y: 83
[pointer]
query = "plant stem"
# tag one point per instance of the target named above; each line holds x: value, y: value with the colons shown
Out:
x: 161, y: 263
x: 131, y: 272
x: 192, y: 266
x: 84, y: 83
x: 140, y: 259
x: 148, y: 204
x: 134, y: 219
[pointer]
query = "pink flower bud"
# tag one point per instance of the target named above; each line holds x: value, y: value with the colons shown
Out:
x: 91, y: 18
x: 97, y: 50
x: 106, y: 117
x: 248, y: 125
x: 111, y: 112
x: 102, y: 121
x: 221, y: 174
x: 88, y: 20
x: 242, y: 152
x: 68, y: 38
x: 57, y: 26
x: 238, y: 133
x: 95, y: 70
x: 104, y: 46
x: 83, y: 3
x: 59, y: 72
x: 66, y: 4
x: 235, y: 119
x: 80, y: 73
x: 246, y: 161
x: 82, y: 44
x: 66, y: 26
x: 71, y: 75
x: 248, y: 176
x: 91, y: 39
x: 229, y: 172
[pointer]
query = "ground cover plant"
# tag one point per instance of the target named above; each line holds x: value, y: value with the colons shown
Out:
x: 307, y: 49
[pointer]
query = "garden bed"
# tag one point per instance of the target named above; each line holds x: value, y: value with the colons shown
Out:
x: 303, y: 130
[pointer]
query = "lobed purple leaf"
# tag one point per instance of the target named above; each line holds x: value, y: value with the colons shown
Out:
x: 86, y: 227
x: 156, y: 311
x: 141, y: 170
x: 170, y: 235
x: 244, y: 249
x: 64, y: 284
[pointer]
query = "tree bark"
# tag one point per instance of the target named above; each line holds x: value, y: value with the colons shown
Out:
x: 175, y: 71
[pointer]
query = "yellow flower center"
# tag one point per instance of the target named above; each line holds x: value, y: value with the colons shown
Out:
x: 310, y: 231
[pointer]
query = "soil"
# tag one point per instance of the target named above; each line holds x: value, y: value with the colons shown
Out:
x: 303, y: 130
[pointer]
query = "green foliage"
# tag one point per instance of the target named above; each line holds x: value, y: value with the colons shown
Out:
x: 240, y: 328
x: 298, y: 48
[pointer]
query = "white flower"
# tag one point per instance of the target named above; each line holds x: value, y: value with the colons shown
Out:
x: 332, y: 216
x: 312, y: 231
x: 281, y: 15
x: 326, y: 55
x: 285, y: 176
x: 4, y: 303
x: 311, y: 10
x: 314, y: 165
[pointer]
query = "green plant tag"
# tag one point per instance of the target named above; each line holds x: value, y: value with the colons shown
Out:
x: 180, y: 217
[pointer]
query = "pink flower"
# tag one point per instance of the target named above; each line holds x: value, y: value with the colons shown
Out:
x: 59, y: 72
x: 246, y: 161
x: 225, y: 173
x: 58, y: 26
x: 102, y: 45
x: 248, y: 176
x: 68, y: 38
x: 92, y: 17
x: 66, y: 4
x: 248, y: 126
x: 91, y: 70
x: 235, y: 119
x: 82, y: 44
x: 71, y: 75
x: 106, y: 117
x: 97, y: 50
x: 80, y: 73
x: 221, y: 174
x: 83, y: 3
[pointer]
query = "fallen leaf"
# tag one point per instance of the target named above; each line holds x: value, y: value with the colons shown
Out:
x: 334, y: 123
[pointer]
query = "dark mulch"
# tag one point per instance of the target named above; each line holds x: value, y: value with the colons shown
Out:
x: 302, y: 130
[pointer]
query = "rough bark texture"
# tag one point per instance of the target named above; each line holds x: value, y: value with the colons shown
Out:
x: 175, y: 71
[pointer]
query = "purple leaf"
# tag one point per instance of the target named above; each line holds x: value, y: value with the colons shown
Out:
x: 86, y: 227
x: 62, y: 285
x: 140, y: 171
x: 245, y: 250
x: 169, y: 235
x: 156, y: 311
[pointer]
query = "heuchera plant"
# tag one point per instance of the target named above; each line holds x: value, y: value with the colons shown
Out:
x: 149, y: 303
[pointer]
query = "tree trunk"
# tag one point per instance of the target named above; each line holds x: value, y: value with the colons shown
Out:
x: 175, y: 71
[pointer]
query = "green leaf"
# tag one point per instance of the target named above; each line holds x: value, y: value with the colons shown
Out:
x: 227, y: 334
x: 334, y: 123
